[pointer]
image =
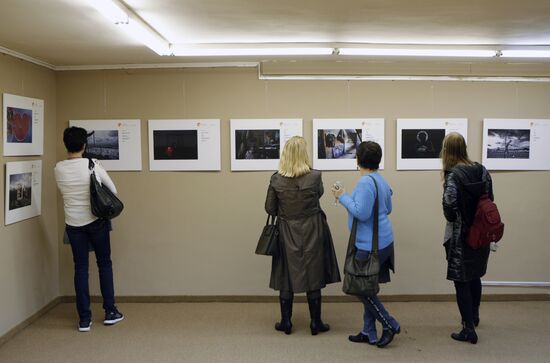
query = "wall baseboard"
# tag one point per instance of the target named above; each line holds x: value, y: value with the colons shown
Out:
x: 301, y: 298
x: 19, y: 327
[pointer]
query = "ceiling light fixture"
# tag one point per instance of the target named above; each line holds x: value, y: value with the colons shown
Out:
x: 142, y: 33
x: 417, y: 52
x: 183, y: 51
x: 132, y: 25
x: 525, y: 53
x: 111, y: 10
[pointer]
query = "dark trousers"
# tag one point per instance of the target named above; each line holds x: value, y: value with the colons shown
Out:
x: 468, y: 298
x: 95, y: 234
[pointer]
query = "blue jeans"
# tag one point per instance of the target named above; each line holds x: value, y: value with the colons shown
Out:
x: 96, y: 234
x: 373, y: 307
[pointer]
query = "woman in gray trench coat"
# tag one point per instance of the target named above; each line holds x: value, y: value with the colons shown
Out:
x: 306, y: 262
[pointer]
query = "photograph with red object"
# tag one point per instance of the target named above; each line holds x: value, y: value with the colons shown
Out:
x: 175, y: 145
x: 19, y: 125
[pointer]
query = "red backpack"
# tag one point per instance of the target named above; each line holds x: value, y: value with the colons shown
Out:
x: 487, y: 226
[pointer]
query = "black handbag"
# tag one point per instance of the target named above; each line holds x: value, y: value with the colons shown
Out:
x: 268, y: 244
x: 104, y: 202
x: 361, y: 277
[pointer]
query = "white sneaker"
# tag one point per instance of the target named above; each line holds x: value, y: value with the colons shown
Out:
x: 84, y: 326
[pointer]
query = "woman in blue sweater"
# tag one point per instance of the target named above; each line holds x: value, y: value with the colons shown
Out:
x: 360, y: 206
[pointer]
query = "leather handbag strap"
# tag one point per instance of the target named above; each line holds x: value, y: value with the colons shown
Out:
x: 353, y: 234
x: 375, y: 215
x: 91, y: 164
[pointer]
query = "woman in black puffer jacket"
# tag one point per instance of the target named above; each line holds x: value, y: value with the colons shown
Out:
x: 465, y: 181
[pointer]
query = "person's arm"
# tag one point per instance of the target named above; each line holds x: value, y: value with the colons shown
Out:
x: 389, y: 205
x: 360, y: 205
x: 321, y: 188
x: 104, y: 178
x: 271, y: 202
x: 450, y: 198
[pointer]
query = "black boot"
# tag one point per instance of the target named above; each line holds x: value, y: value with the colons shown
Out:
x: 476, y: 321
x: 476, y: 316
x: 286, y: 313
x: 467, y: 334
x: 316, y: 325
x: 387, y: 337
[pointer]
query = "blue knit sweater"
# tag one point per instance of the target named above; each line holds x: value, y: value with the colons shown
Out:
x: 360, y: 204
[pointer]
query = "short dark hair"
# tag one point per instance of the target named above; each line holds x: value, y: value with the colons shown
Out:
x: 75, y: 138
x: 369, y: 154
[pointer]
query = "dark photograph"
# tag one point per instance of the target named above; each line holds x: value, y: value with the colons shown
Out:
x: 103, y: 145
x: 421, y: 143
x: 338, y: 143
x: 175, y: 145
x: 508, y: 144
x: 257, y: 144
x: 19, y: 126
x: 20, y: 190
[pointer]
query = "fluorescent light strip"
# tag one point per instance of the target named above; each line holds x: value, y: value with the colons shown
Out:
x: 229, y: 52
x: 141, y: 33
x: 111, y: 10
x: 132, y: 25
x: 528, y: 53
x: 410, y: 52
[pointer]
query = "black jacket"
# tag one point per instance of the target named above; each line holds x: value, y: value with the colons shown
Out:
x: 463, y: 186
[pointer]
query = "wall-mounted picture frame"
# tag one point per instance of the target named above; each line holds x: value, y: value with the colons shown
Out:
x: 419, y: 141
x: 516, y: 144
x: 23, y: 125
x: 335, y: 141
x: 184, y: 145
x: 23, y: 190
x: 117, y: 143
x: 256, y: 144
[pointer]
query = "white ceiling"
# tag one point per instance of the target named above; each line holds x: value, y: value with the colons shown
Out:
x: 71, y: 32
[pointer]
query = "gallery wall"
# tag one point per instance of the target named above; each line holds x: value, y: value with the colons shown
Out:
x: 29, y: 262
x: 194, y: 233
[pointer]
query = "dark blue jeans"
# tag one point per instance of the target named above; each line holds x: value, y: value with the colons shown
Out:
x: 373, y: 307
x: 96, y: 234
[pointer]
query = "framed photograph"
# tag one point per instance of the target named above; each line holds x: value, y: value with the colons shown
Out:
x: 192, y: 145
x: 419, y: 141
x: 176, y: 145
x: 516, y: 144
x: 23, y: 125
x: 256, y: 144
x: 117, y: 143
x: 23, y: 190
x: 335, y: 141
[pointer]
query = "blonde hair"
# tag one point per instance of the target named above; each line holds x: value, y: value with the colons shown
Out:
x: 454, y: 151
x: 294, y: 160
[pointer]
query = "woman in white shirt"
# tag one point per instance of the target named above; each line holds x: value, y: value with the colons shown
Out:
x: 84, y: 229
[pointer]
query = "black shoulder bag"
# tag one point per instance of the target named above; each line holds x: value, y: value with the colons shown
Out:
x: 361, y: 277
x: 268, y: 244
x: 104, y: 202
